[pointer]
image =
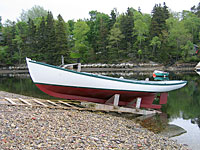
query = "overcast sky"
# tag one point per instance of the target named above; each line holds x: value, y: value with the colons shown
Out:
x: 79, y: 9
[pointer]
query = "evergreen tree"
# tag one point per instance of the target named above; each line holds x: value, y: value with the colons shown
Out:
x: 21, y: 40
x: 93, y: 33
x: 0, y: 25
x: 103, y: 26
x: 157, y: 22
x: 9, y: 33
x: 31, y: 40
x: 1, y: 35
x: 61, y: 40
x: 42, y: 40
x: 113, y: 17
x: 51, y: 39
x: 126, y: 27
x: 115, y: 37
x: 70, y: 25
x: 97, y: 36
x: 196, y: 10
x: 158, y: 28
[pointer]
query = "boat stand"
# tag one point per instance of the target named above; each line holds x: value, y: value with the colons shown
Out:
x: 113, y: 100
x: 111, y: 105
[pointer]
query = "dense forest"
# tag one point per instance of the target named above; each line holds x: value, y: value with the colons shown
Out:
x: 162, y: 36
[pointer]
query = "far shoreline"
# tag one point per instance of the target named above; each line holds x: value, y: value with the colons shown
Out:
x: 117, y: 67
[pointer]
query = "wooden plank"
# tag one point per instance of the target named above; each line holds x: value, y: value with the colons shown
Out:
x: 10, y: 101
x: 40, y: 103
x: 138, y: 102
x: 24, y: 101
x: 111, y: 108
x: 53, y: 103
x: 114, y: 100
x: 64, y: 103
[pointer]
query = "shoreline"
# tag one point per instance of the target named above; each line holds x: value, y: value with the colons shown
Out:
x: 116, y: 67
x: 26, y: 127
x: 142, y: 69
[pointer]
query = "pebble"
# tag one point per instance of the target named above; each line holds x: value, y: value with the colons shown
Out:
x: 26, y: 127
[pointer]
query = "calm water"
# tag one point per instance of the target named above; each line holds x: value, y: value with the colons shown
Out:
x: 182, y: 108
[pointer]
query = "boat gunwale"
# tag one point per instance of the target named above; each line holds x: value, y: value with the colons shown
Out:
x: 111, y: 78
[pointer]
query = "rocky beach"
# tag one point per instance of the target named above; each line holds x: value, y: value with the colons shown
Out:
x: 27, y: 127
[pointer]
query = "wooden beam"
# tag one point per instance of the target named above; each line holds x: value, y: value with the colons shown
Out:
x: 139, y: 99
x: 111, y: 108
x: 114, y: 100
x: 24, y: 101
x: 64, y: 103
x: 10, y: 101
x: 40, y: 103
x: 52, y: 103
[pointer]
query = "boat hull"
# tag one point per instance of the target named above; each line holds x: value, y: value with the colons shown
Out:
x: 99, y: 95
x: 68, y: 84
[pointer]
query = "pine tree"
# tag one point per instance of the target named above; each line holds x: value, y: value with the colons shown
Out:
x: 97, y: 36
x: 31, y: 39
x: 61, y: 40
x: 126, y: 27
x: 115, y: 37
x: 158, y: 28
x: 41, y: 40
x: 93, y: 33
x: 113, y: 17
x: 103, y: 21
x: 50, y: 39
x: 157, y: 21
x: 1, y: 35
x: 9, y: 35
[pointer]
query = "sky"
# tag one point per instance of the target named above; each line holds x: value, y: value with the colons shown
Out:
x: 79, y: 9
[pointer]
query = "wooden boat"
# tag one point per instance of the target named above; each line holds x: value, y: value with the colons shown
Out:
x: 158, y: 73
x: 198, y: 71
x: 197, y: 67
x: 69, y: 84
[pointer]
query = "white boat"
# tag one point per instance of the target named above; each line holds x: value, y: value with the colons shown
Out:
x: 69, y: 84
x: 197, y: 67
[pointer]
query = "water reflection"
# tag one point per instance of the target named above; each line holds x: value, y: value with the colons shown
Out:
x: 21, y: 84
x: 159, y: 124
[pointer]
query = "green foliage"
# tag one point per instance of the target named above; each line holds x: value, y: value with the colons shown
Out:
x: 3, y: 54
x: 75, y: 55
x: 33, y: 13
x: 0, y: 25
x: 126, y: 27
x: 114, y: 39
x: 192, y: 24
x: 61, y: 46
x: 131, y: 36
x: 141, y: 29
x: 80, y: 35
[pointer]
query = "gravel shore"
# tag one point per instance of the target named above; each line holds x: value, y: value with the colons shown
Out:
x: 26, y: 128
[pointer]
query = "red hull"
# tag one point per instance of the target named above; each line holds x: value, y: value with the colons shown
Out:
x: 98, y: 95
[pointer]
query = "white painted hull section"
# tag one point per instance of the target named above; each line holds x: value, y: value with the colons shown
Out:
x: 52, y: 75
